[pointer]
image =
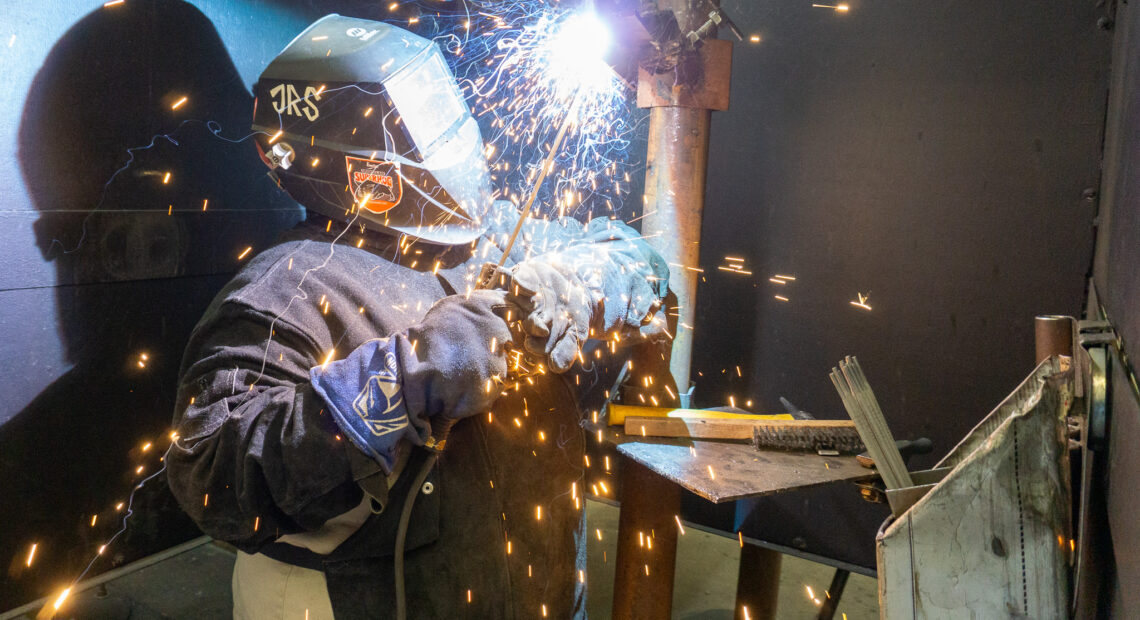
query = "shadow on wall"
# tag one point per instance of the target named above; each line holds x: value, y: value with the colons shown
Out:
x: 141, y: 239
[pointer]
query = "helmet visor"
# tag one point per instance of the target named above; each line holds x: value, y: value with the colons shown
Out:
x: 427, y: 100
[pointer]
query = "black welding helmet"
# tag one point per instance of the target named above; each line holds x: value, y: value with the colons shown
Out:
x: 362, y: 121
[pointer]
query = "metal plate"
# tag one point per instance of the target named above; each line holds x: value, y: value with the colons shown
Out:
x: 739, y: 470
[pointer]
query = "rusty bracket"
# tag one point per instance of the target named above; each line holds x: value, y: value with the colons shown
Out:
x: 702, y: 81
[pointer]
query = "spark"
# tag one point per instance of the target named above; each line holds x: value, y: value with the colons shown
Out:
x: 754, y: 38
x: 321, y: 37
x: 244, y: 252
x: 712, y: 474
x: 166, y: 178
x: 841, y: 8
x: 783, y: 277
x: 469, y: 596
x: 178, y: 104
x: 781, y: 297
x: 862, y: 303
x: 328, y: 358
x: 275, y: 136
x: 677, y: 518
x: 12, y: 41
x: 107, y: 5
x: 66, y: 591
x: 32, y: 553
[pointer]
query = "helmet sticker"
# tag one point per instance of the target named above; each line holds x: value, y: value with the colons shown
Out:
x: 375, y: 185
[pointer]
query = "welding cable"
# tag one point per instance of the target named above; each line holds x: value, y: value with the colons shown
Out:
x: 434, y: 445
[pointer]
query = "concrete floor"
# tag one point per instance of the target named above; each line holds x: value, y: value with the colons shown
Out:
x: 196, y: 582
x: 705, y: 585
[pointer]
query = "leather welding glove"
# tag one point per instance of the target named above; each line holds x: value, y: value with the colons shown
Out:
x: 446, y: 367
x: 610, y: 282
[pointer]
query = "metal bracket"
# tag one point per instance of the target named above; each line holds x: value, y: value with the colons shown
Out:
x: 1096, y: 337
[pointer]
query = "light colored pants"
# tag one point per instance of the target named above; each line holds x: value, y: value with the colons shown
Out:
x: 266, y: 589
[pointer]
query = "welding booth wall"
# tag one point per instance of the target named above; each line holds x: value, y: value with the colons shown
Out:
x: 84, y: 297
x: 932, y: 156
x: 1116, y: 275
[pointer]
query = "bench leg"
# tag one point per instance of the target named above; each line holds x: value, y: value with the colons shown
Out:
x: 757, y: 583
x: 646, y: 545
x: 831, y: 601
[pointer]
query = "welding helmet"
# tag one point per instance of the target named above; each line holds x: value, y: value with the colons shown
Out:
x: 362, y: 121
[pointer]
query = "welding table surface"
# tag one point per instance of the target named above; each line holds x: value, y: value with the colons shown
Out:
x: 739, y: 470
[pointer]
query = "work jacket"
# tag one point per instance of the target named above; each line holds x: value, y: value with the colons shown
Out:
x: 498, y: 532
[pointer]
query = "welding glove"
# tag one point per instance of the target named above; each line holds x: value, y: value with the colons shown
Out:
x: 609, y: 282
x: 444, y: 368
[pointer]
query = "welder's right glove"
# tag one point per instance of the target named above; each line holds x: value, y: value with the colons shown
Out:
x: 448, y: 366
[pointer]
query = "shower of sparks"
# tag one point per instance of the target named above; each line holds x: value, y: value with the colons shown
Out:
x: 862, y: 303
x: 525, y: 68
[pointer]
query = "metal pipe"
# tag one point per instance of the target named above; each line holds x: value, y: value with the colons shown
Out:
x: 675, y: 198
x: 1053, y: 335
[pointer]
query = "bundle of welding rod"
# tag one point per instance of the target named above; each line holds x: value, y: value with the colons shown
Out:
x: 864, y: 410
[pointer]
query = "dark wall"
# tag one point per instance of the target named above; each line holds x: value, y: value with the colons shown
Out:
x: 931, y: 155
x: 1117, y: 281
x: 106, y: 266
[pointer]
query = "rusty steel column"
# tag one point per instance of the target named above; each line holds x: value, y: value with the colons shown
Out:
x: 680, y: 102
x: 675, y: 197
x: 646, y: 546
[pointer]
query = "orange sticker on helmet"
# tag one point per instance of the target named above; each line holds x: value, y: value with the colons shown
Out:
x: 376, y: 185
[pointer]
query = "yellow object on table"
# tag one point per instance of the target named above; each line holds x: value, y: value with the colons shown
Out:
x: 618, y: 413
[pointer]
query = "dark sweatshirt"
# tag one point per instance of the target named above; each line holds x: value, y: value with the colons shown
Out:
x: 259, y: 456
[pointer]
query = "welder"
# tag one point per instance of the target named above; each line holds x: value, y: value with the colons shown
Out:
x: 319, y: 381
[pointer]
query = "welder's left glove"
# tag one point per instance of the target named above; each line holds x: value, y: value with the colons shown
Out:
x: 609, y: 281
